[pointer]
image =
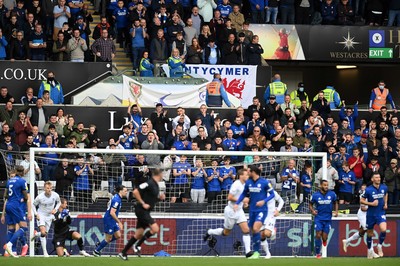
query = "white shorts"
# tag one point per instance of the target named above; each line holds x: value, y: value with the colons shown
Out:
x: 232, y: 217
x: 362, y: 218
x: 269, y: 223
x: 45, y: 220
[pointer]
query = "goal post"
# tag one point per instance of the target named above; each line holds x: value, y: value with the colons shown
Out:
x: 188, y: 241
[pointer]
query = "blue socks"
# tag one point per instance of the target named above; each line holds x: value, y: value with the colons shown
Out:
x: 18, y: 234
x: 382, y: 237
x: 256, y: 241
x: 369, y: 242
x: 318, y: 243
x: 102, y: 245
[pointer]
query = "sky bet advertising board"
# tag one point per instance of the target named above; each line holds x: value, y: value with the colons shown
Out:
x: 184, y: 236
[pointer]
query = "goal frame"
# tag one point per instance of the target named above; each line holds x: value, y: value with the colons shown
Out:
x: 35, y: 151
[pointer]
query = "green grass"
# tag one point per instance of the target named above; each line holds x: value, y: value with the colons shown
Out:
x: 211, y: 261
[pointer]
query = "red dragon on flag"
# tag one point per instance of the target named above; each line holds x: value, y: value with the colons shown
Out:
x: 235, y: 87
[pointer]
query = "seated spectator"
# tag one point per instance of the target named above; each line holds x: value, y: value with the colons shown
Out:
x: 46, y: 98
x: 211, y: 53
x: 345, y: 13
x: 176, y: 64
x: 146, y: 67
x: 5, y: 96
x: 29, y: 98
x: 375, y: 10
x: 328, y: 12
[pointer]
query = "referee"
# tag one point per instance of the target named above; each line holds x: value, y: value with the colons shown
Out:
x: 62, y: 231
x: 147, y: 195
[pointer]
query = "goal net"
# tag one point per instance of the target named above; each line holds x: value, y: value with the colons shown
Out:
x: 196, y: 186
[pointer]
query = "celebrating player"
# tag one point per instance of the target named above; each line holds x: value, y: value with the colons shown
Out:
x: 259, y: 191
x: 268, y: 229
x: 362, y: 218
x: 62, y: 231
x: 232, y: 217
x: 47, y: 204
x: 376, y: 197
x: 112, y: 225
x: 16, y: 193
x: 147, y: 195
x: 323, y: 200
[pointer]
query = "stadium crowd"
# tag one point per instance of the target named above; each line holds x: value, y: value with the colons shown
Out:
x: 203, y: 31
x: 292, y: 122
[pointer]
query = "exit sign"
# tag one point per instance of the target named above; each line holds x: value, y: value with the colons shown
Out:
x: 380, y: 52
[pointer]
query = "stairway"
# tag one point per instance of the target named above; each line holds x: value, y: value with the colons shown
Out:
x: 121, y: 61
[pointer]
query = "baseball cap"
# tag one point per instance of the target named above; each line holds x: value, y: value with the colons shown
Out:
x: 364, y: 136
x: 393, y: 161
x: 301, y: 84
x: 374, y: 158
x: 241, y: 34
x: 272, y: 96
x: 182, y: 134
x: 79, y: 17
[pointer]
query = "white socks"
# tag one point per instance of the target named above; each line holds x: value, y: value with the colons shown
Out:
x: 43, y: 242
x: 265, y: 247
x: 247, y: 242
x: 215, y: 232
x: 355, y: 236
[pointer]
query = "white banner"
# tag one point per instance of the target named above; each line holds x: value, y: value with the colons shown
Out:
x: 238, y: 80
x: 171, y: 95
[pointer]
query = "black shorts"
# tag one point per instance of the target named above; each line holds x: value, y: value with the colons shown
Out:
x: 181, y: 190
x: 59, y: 240
x: 346, y: 196
x: 144, y: 219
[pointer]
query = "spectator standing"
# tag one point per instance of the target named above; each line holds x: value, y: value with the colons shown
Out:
x: 22, y: 128
x: 345, y: 13
x: 50, y: 160
x: 152, y: 143
x: 60, y: 52
x: 347, y: 180
x: 53, y: 87
x: 216, y: 93
x: 271, y: 11
x: 206, y: 8
x: 276, y: 88
x: 257, y: 11
x: 82, y: 182
x: 61, y: 14
x: 5, y: 96
x: 392, y: 180
x: 38, y: 115
x: 357, y: 165
x: 120, y: 16
x: 138, y: 35
x: 197, y: 19
x: 104, y: 48
x: 254, y: 52
x: 77, y: 46
x: 328, y: 12
x: 350, y: 115
x: 290, y: 177
x: 331, y: 96
x: 64, y: 175
x: 394, y: 13
x: 299, y: 95
x: 380, y: 96
x: 194, y: 52
x: 237, y: 18
x: 159, y: 49
x: 189, y: 32
x: 19, y: 49
x: 287, y: 11
x: 3, y: 43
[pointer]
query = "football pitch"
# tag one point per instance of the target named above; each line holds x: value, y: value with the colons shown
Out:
x: 196, y: 261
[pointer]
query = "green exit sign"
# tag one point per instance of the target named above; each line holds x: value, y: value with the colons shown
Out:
x: 380, y: 52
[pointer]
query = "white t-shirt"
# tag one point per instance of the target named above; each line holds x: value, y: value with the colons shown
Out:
x: 46, y: 204
x: 236, y: 190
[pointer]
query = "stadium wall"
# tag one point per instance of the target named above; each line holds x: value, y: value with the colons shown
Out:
x: 288, y: 237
